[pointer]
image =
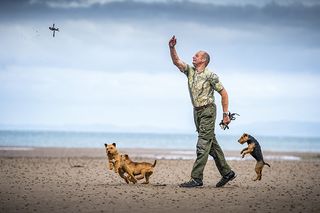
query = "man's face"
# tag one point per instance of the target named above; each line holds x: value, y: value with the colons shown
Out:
x: 198, y: 58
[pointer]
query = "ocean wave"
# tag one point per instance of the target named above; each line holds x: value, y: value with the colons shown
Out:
x: 16, y: 149
x: 188, y: 156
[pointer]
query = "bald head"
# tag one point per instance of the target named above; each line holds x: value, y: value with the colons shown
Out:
x: 206, y: 56
x: 201, y: 58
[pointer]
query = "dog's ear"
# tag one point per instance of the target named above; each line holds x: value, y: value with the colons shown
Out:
x: 126, y: 156
x: 245, y: 134
x: 105, y: 145
x: 114, y: 144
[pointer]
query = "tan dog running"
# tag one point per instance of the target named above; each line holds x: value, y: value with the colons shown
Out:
x: 255, y: 150
x: 116, y: 163
x: 143, y: 169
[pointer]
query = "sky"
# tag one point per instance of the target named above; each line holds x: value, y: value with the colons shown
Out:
x: 109, y: 68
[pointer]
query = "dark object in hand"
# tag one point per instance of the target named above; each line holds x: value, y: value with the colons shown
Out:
x: 232, y: 117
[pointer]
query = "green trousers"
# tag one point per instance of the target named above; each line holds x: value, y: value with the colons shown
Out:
x: 207, y: 143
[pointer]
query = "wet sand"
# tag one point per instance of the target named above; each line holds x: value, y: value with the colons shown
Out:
x: 78, y: 180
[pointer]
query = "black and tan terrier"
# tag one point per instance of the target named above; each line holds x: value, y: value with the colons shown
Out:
x: 117, y: 163
x: 140, y: 169
x: 255, y: 150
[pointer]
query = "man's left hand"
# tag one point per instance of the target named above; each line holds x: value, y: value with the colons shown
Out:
x: 226, y: 119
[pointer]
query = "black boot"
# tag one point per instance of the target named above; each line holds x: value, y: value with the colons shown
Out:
x: 225, y: 179
x: 192, y: 183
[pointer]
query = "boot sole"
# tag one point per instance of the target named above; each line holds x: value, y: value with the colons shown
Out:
x: 191, y: 186
x: 228, y: 181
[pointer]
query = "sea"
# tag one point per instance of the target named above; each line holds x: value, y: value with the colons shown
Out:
x: 73, y: 139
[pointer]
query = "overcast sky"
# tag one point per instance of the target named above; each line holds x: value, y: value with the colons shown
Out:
x: 109, y: 67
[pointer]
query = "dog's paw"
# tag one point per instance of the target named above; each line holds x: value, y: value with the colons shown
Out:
x: 133, y: 180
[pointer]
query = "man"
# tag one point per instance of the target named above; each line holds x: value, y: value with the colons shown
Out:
x: 202, y: 84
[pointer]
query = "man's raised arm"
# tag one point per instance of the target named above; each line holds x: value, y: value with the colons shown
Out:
x: 174, y: 55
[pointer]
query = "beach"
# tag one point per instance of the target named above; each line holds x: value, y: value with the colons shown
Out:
x: 78, y: 180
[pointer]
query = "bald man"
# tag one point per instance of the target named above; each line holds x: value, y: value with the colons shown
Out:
x: 202, y: 84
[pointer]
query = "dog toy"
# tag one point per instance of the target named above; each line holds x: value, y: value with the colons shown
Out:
x: 231, y: 117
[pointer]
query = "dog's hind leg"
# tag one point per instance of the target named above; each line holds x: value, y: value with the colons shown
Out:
x: 258, y: 169
x: 147, y: 176
x: 141, y: 175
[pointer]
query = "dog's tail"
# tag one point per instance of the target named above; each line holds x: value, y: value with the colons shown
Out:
x: 266, y: 163
x: 154, y: 164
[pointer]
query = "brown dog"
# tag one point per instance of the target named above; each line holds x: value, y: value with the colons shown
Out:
x: 143, y: 169
x: 255, y: 150
x: 116, y: 163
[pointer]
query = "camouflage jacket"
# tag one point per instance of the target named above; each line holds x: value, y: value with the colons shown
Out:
x: 202, y: 86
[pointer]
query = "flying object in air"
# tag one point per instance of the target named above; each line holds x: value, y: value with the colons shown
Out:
x: 53, y: 29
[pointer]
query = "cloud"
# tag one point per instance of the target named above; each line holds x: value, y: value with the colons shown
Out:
x: 110, y: 63
x: 64, y: 96
x: 131, y: 99
x: 272, y: 96
x: 120, y: 45
x: 285, y: 24
x: 77, y: 4
x: 84, y: 44
x: 303, y: 14
x: 89, y: 3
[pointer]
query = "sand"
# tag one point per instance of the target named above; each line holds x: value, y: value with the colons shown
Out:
x: 77, y: 180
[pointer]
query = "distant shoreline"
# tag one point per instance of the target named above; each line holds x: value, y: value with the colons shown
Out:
x: 148, y: 141
x: 145, y: 153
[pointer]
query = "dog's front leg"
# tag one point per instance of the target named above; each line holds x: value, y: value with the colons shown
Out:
x: 249, y: 149
x: 111, y: 164
x: 117, y: 166
x: 130, y: 174
x: 121, y: 173
x: 130, y: 179
x: 243, y: 150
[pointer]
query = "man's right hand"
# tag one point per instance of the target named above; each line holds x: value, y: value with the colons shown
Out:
x: 172, y: 42
x: 174, y: 56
